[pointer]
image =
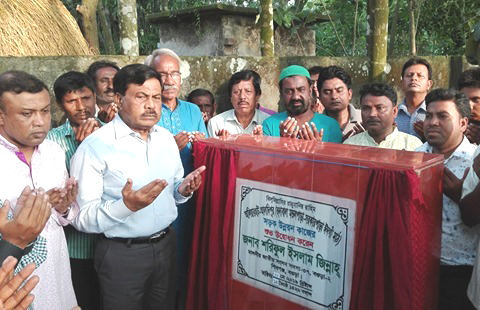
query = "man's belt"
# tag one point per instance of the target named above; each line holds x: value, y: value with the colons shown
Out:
x: 152, y: 239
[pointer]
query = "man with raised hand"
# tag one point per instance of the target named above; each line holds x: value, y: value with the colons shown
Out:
x: 20, y: 234
x: 28, y: 159
x: 317, y: 105
x: 445, y: 123
x: 12, y: 294
x: 299, y: 121
x: 244, y: 90
x: 75, y: 95
x: 335, y: 90
x: 130, y: 181
x: 470, y: 210
x: 205, y: 101
x: 469, y: 84
x: 102, y: 73
x: 185, y: 121
x: 416, y: 83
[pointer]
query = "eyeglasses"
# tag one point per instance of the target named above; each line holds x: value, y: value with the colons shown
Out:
x: 173, y: 75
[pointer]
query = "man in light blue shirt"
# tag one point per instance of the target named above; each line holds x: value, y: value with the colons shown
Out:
x: 185, y: 121
x: 178, y: 116
x: 130, y: 178
x: 416, y: 83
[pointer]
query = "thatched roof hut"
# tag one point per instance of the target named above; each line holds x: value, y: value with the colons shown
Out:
x: 39, y: 28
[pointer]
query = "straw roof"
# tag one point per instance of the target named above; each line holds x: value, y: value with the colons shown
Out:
x: 39, y: 28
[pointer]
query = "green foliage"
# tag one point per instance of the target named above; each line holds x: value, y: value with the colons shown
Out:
x: 443, y: 26
x: 441, y: 29
x: 335, y: 38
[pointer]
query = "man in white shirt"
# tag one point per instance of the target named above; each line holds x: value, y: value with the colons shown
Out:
x: 378, y: 103
x: 444, y: 127
x: 130, y: 180
x: 28, y: 159
x: 469, y: 207
x: 244, y: 91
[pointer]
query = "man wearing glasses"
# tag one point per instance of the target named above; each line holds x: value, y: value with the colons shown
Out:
x: 184, y: 120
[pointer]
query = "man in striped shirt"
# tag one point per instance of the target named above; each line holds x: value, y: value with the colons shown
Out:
x: 75, y: 95
x: 416, y: 83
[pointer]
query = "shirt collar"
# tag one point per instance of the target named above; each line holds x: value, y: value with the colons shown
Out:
x: 403, y: 106
x: 9, y: 146
x: 68, y: 129
x: 460, y: 151
x: 392, y: 136
x: 13, y: 148
x: 179, y: 103
x: 354, y: 114
x: 232, y: 117
x: 122, y: 130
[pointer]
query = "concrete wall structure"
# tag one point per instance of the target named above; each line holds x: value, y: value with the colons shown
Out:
x: 212, y: 35
x: 225, y: 30
x: 213, y: 72
x: 212, y: 30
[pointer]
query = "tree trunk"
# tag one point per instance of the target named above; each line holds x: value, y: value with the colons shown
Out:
x: 266, y: 28
x: 106, y: 30
x: 127, y: 14
x: 355, y: 28
x: 379, y: 38
x: 413, y: 30
x: 393, y: 31
x: 370, y: 23
x: 88, y: 13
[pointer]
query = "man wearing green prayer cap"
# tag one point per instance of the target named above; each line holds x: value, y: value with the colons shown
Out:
x: 299, y: 121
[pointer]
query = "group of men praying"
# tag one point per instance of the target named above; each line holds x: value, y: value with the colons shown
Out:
x: 97, y: 212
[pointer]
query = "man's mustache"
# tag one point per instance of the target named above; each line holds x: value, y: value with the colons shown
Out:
x: 297, y: 100
x: 169, y: 87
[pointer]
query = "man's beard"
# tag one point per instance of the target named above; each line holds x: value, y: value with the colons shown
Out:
x: 296, y: 110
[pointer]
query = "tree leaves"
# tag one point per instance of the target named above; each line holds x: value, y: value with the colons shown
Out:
x: 441, y: 30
